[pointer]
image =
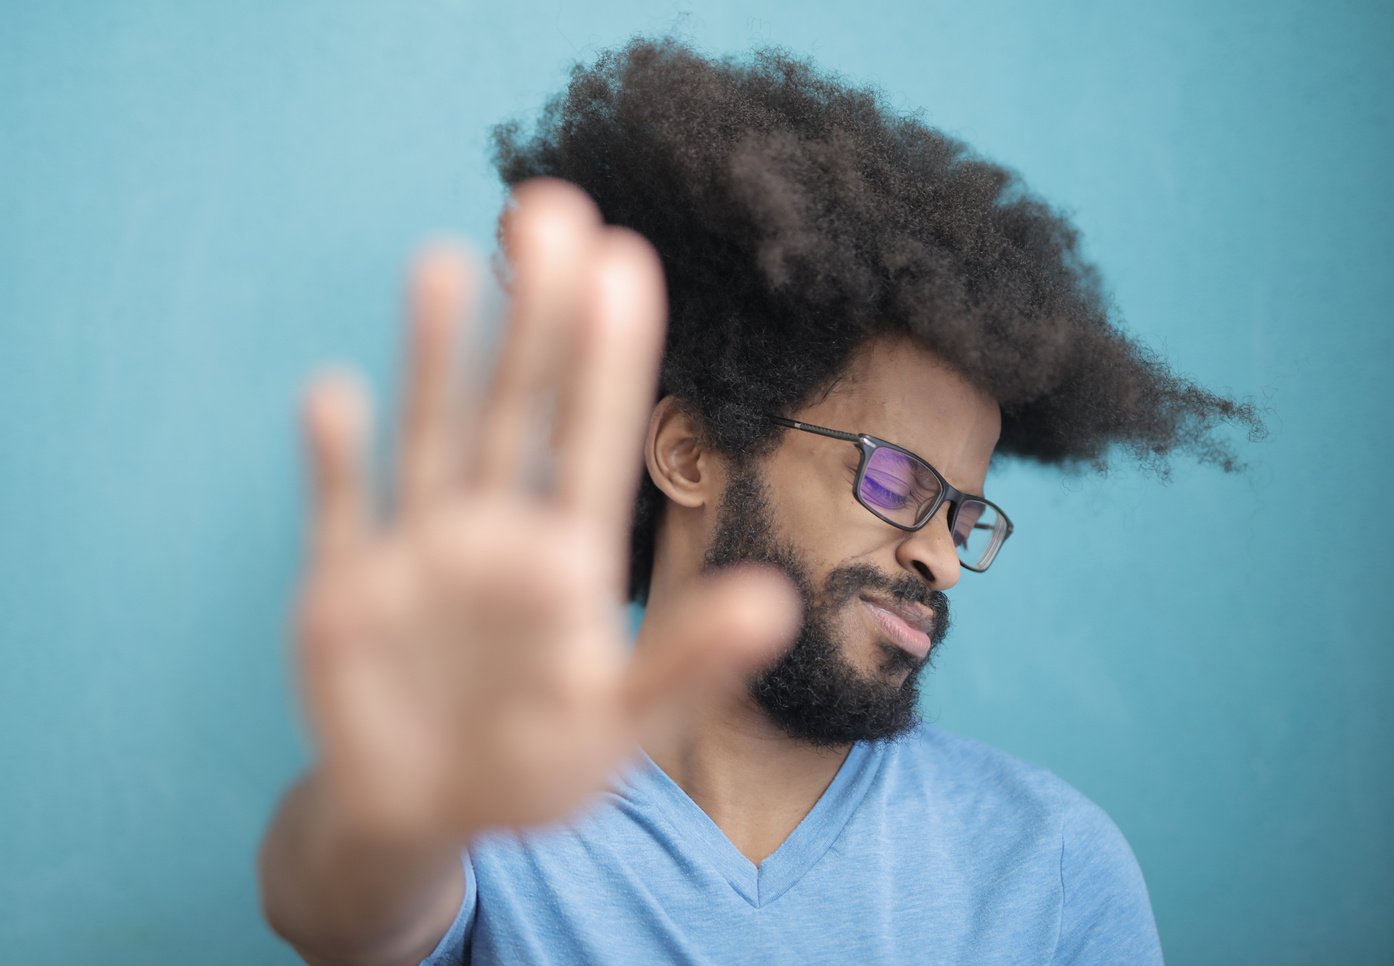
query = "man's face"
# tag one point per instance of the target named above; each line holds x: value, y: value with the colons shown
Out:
x: 852, y: 674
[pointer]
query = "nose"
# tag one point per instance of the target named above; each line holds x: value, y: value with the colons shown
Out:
x: 929, y: 552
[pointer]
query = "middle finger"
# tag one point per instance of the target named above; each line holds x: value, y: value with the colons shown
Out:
x: 548, y: 237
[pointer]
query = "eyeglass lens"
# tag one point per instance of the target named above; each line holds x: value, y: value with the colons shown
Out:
x: 902, y: 489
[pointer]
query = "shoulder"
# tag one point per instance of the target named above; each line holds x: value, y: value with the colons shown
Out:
x: 988, y: 780
x: 931, y: 760
x: 1105, y: 911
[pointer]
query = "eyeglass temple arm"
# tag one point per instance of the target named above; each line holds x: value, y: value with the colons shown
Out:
x: 821, y: 430
x: 854, y: 438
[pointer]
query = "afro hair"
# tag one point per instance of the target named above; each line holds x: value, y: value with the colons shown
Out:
x: 797, y: 216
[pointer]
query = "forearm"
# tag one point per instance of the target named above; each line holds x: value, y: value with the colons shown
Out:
x: 341, y: 899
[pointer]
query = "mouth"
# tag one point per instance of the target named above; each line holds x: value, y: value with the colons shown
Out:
x: 907, y: 626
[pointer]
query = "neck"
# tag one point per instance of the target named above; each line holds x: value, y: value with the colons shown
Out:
x: 754, y: 781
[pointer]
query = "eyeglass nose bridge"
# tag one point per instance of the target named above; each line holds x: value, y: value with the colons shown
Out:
x: 948, y: 495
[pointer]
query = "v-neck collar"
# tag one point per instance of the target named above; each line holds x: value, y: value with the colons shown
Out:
x: 807, y: 843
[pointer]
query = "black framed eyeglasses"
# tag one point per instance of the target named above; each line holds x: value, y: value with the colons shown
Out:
x: 905, y: 491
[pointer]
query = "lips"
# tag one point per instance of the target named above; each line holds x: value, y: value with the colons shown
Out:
x: 908, y: 626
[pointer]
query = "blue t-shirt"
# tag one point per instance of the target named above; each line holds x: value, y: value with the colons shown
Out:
x: 929, y: 849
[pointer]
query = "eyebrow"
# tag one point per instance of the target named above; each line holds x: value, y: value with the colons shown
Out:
x: 967, y: 492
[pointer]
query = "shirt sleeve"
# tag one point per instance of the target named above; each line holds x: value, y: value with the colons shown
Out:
x: 1106, y: 915
x: 450, y: 951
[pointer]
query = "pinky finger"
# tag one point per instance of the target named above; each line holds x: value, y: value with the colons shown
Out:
x: 336, y: 426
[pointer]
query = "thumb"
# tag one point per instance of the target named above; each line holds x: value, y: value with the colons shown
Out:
x: 729, y: 625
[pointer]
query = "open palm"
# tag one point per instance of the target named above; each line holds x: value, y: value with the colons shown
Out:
x: 464, y: 661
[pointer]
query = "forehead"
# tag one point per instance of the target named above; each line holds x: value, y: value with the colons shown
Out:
x: 906, y: 394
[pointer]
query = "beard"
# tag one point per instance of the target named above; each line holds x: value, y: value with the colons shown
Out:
x: 812, y: 692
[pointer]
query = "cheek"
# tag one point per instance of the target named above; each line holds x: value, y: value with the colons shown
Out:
x: 801, y: 496
x: 815, y: 510
x: 814, y: 506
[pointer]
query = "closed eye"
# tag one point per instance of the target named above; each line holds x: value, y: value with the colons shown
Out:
x: 888, y: 497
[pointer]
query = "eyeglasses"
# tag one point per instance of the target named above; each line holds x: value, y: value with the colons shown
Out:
x: 906, y: 492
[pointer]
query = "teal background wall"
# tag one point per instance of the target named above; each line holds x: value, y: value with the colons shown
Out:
x: 201, y: 202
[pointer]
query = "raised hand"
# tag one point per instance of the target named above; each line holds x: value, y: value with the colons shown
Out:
x: 463, y: 660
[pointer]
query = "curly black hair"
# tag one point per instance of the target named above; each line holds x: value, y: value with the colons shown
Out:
x: 797, y: 216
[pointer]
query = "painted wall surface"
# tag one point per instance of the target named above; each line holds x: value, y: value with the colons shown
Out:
x: 201, y: 202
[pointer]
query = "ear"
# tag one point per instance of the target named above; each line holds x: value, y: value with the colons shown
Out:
x: 679, y: 464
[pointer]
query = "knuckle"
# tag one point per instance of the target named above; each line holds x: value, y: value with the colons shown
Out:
x: 446, y: 553
x: 340, y: 606
x: 325, y: 616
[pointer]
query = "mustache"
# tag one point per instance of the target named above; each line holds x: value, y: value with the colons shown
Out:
x: 844, y: 583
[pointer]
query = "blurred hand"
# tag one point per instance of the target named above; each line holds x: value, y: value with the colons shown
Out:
x: 464, y: 661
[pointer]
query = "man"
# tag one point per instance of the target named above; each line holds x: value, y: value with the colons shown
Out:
x: 860, y: 316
